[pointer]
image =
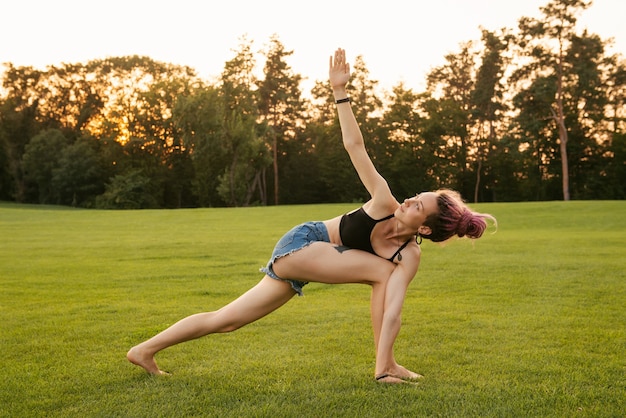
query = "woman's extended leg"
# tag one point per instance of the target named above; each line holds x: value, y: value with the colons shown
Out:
x: 267, y: 296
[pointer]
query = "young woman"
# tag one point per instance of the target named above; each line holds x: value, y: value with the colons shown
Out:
x: 376, y: 244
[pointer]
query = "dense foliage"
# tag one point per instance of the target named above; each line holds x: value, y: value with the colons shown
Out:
x: 535, y: 113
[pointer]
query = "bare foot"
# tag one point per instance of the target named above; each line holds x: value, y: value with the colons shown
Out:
x: 404, y: 373
x: 137, y: 357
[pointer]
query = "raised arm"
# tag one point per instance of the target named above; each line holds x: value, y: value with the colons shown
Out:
x: 376, y: 185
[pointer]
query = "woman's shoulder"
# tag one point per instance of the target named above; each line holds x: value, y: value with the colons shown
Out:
x: 411, y: 256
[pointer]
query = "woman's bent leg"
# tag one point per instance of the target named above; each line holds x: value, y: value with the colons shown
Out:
x: 323, y: 262
x: 267, y: 296
x: 326, y: 263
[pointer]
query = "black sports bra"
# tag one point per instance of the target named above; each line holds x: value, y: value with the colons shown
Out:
x: 355, y: 230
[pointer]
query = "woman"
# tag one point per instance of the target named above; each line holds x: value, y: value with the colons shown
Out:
x: 384, y: 231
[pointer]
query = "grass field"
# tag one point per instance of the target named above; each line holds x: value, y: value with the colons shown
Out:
x: 530, y: 321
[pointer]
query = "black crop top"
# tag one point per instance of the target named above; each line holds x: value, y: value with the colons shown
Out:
x: 355, y: 230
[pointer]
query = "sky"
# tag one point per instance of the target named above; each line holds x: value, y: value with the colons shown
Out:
x: 399, y: 40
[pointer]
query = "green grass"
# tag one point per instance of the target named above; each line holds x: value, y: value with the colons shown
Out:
x: 530, y: 321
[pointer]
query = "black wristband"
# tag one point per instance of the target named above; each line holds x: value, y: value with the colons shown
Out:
x: 346, y: 100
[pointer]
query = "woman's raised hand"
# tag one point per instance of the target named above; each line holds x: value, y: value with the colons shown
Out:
x: 339, y: 69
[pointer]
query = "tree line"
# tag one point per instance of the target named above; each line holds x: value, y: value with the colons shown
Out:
x: 531, y: 113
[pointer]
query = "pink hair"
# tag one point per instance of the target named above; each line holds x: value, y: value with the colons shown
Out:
x: 455, y: 218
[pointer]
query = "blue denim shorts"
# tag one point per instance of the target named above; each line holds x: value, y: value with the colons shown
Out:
x: 296, y: 239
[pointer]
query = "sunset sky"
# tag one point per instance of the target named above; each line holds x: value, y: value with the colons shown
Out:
x: 399, y: 40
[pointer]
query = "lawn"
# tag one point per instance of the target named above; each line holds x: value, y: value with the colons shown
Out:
x: 529, y: 321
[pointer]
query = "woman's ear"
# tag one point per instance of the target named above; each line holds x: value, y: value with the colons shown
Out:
x: 424, y: 230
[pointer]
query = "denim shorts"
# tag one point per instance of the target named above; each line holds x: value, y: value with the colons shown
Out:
x: 296, y: 239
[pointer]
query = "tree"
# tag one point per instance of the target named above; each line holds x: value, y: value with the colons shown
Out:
x: 130, y: 190
x: 486, y: 100
x: 199, y: 118
x: 280, y: 104
x: 42, y: 157
x: 447, y: 107
x: 546, y: 41
x: 244, y: 148
x: 615, y: 140
x: 79, y: 175
x: 586, y: 100
x: 409, y: 161
x: 18, y: 122
x: 168, y: 158
x: 142, y: 94
x: 536, y: 137
x: 70, y: 98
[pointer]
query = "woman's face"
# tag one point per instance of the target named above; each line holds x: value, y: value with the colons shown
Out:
x: 415, y: 210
